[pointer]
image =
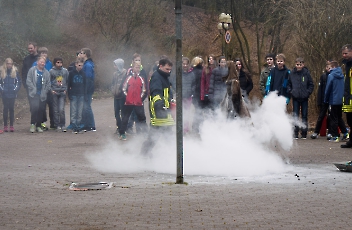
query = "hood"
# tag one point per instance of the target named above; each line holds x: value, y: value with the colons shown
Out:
x: 337, y: 73
x: 120, y: 64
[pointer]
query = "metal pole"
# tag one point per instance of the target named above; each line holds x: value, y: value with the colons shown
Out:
x: 179, y: 121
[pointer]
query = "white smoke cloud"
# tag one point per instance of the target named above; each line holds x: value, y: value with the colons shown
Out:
x: 241, y: 147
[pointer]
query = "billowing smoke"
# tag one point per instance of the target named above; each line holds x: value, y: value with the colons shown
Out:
x: 240, y: 147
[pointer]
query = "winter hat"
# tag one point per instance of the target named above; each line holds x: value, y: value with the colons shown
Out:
x: 120, y: 64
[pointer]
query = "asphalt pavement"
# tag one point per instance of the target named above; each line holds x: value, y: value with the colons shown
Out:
x: 37, y: 170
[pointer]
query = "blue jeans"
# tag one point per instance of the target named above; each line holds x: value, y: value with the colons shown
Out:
x: 59, y: 109
x: 118, y: 104
x: 87, y: 115
x: 303, y: 107
x: 76, y: 109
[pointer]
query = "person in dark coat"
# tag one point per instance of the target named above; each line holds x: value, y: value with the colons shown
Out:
x: 188, y: 87
x: 245, y: 78
x: 10, y: 84
x: 278, y: 78
x: 197, y: 69
x: 160, y: 98
x: 217, y: 86
x: 300, y: 86
x: 334, y: 96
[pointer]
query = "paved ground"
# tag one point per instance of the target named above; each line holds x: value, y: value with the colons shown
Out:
x: 37, y: 169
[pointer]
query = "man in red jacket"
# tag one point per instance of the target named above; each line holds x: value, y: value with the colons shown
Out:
x: 135, y: 91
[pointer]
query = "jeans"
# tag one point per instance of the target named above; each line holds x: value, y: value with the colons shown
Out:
x: 49, y: 102
x: 76, y: 109
x: 87, y: 115
x: 118, y: 104
x: 9, y: 107
x: 126, y: 113
x: 37, y: 108
x: 59, y: 108
x: 303, y: 107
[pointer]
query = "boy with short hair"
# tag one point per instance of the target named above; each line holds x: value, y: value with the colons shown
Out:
x: 270, y: 63
x: 278, y: 78
x: 77, y: 91
x: 300, y: 86
x: 334, y: 93
x: 59, y: 76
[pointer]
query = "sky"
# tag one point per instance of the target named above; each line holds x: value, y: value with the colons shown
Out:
x: 241, y: 147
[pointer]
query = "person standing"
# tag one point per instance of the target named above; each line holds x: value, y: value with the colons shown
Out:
x: 88, y: 69
x: 135, y: 91
x: 161, y: 95
x: 217, y: 86
x: 188, y: 85
x: 59, y: 76
x: 116, y: 89
x: 76, y: 86
x: 38, y: 83
x: 43, y: 52
x: 334, y: 96
x: 270, y: 63
x: 347, y: 98
x: 205, y: 80
x: 28, y: 62
x: 300, y: 86
x: 133, y: 120
x: 10, y: 84
x: 245, y: 78
x: 197, y: 68
x: 278, y: 78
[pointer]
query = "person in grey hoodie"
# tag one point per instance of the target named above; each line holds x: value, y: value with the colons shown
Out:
x: 116, y: 89
x: 59, y: 76
x: 38, y: 85
x: 333, y: 95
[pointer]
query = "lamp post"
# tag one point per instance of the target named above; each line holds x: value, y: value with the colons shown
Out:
x: 223, y: 27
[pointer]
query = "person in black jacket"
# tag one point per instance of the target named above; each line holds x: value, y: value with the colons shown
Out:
x: 188, y: 87
x: 217, y: 86
x: 10, y: 84
x: 300, y: 86
x: 160, y: 97
x: 245, y: 78
x: 323, y: 107
x: 278, y: 78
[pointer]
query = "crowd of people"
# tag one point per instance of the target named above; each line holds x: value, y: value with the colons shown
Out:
x: 204, y: 85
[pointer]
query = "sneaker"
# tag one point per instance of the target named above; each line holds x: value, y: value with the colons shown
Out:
x: 74, y: 131
x: 81, y: 132
x: 6, y: 129
x: 63, y: 129
x: 39, y: 130
x: 129, y: 132
x: 296, y: 137
x: 122, y: 137
x: 314, y: 136
x: 346, y: 137
x: 32, y: 128
x: 334, y: 139
x: 43, y: 126
x: 12, y: 129
x: 329, y: 136
x: 58, y: 129
x: 304, y: 137
x: 347, y: 145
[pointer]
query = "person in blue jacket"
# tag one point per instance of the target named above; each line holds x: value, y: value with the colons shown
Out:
x: 10, y: 84
x: 334, y: 92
